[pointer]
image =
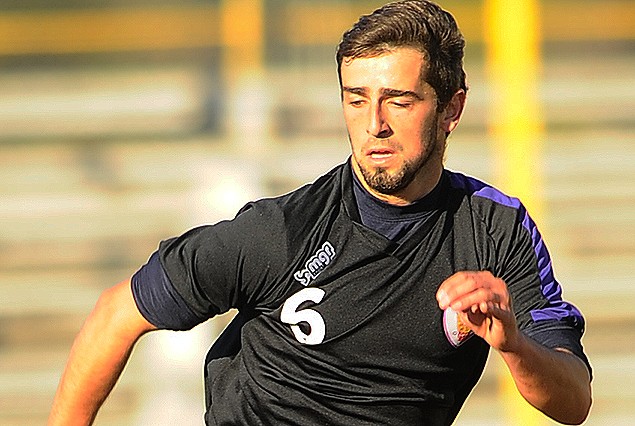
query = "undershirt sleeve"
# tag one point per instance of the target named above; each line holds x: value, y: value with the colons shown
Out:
x: 158, y: 301
x: 557, y: 334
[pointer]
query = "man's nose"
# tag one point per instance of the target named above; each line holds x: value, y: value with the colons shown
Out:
x: 378, y: 126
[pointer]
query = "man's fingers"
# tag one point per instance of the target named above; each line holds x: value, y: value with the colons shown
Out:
x: 477, y: 298
x: 454, y: 288
x: 465, y: 290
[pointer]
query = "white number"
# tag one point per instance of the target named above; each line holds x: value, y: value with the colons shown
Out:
x: 291, y: 315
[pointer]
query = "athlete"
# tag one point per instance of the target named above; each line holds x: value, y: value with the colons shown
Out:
x: 371, y: 296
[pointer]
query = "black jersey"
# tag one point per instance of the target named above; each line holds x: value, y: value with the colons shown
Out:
x: 339, y: 325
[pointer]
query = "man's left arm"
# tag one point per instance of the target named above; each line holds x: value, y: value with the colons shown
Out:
x: 555, y: 381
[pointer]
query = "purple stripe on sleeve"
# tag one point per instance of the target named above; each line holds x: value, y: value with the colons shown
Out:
x: 550, y: 288
x: 557, y: 309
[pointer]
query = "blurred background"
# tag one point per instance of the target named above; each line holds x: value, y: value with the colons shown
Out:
x: 123, y: 123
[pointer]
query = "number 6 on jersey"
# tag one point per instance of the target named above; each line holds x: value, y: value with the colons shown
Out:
x: 291, y: 315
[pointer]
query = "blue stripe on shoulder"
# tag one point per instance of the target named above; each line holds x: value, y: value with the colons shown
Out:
x: 550, y: 288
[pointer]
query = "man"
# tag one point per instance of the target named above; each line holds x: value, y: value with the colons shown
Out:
x: 371, y: 296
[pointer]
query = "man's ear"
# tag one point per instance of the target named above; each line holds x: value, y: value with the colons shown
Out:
x: 453, y: 111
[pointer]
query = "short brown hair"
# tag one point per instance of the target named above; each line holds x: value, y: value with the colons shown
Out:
x: 421, y: 25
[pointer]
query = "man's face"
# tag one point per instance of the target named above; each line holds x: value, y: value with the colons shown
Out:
x: 396, y: 135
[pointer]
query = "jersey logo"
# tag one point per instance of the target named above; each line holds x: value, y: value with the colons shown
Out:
x: 316, y: 264
x: 456, y: 332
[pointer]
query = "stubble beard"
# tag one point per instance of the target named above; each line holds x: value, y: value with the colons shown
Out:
x: 384, y: 182
x: 381, y: 180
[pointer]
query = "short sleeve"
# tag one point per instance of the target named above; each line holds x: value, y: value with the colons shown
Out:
x: 541, y: 312
x: 231, y: 264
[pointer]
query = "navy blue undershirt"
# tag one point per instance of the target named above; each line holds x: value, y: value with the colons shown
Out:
x: 391, y: 221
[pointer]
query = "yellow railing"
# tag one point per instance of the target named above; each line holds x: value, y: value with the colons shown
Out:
x: 109, y: 30
x: 164, y: 28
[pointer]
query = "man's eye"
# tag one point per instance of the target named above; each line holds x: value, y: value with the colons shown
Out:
x: 356, y: 103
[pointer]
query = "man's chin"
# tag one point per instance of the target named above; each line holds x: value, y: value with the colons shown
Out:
x: 383, y: 182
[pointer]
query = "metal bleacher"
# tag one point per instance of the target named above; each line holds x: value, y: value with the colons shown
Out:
x: 121, y: 124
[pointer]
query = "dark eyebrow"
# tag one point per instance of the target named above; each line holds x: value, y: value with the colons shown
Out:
x: 354, y: 90
x: 388, y: 93
x: 395, y: 93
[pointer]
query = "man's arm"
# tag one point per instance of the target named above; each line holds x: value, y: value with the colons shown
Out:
x: 554, y: 381
x: 98, y: 355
